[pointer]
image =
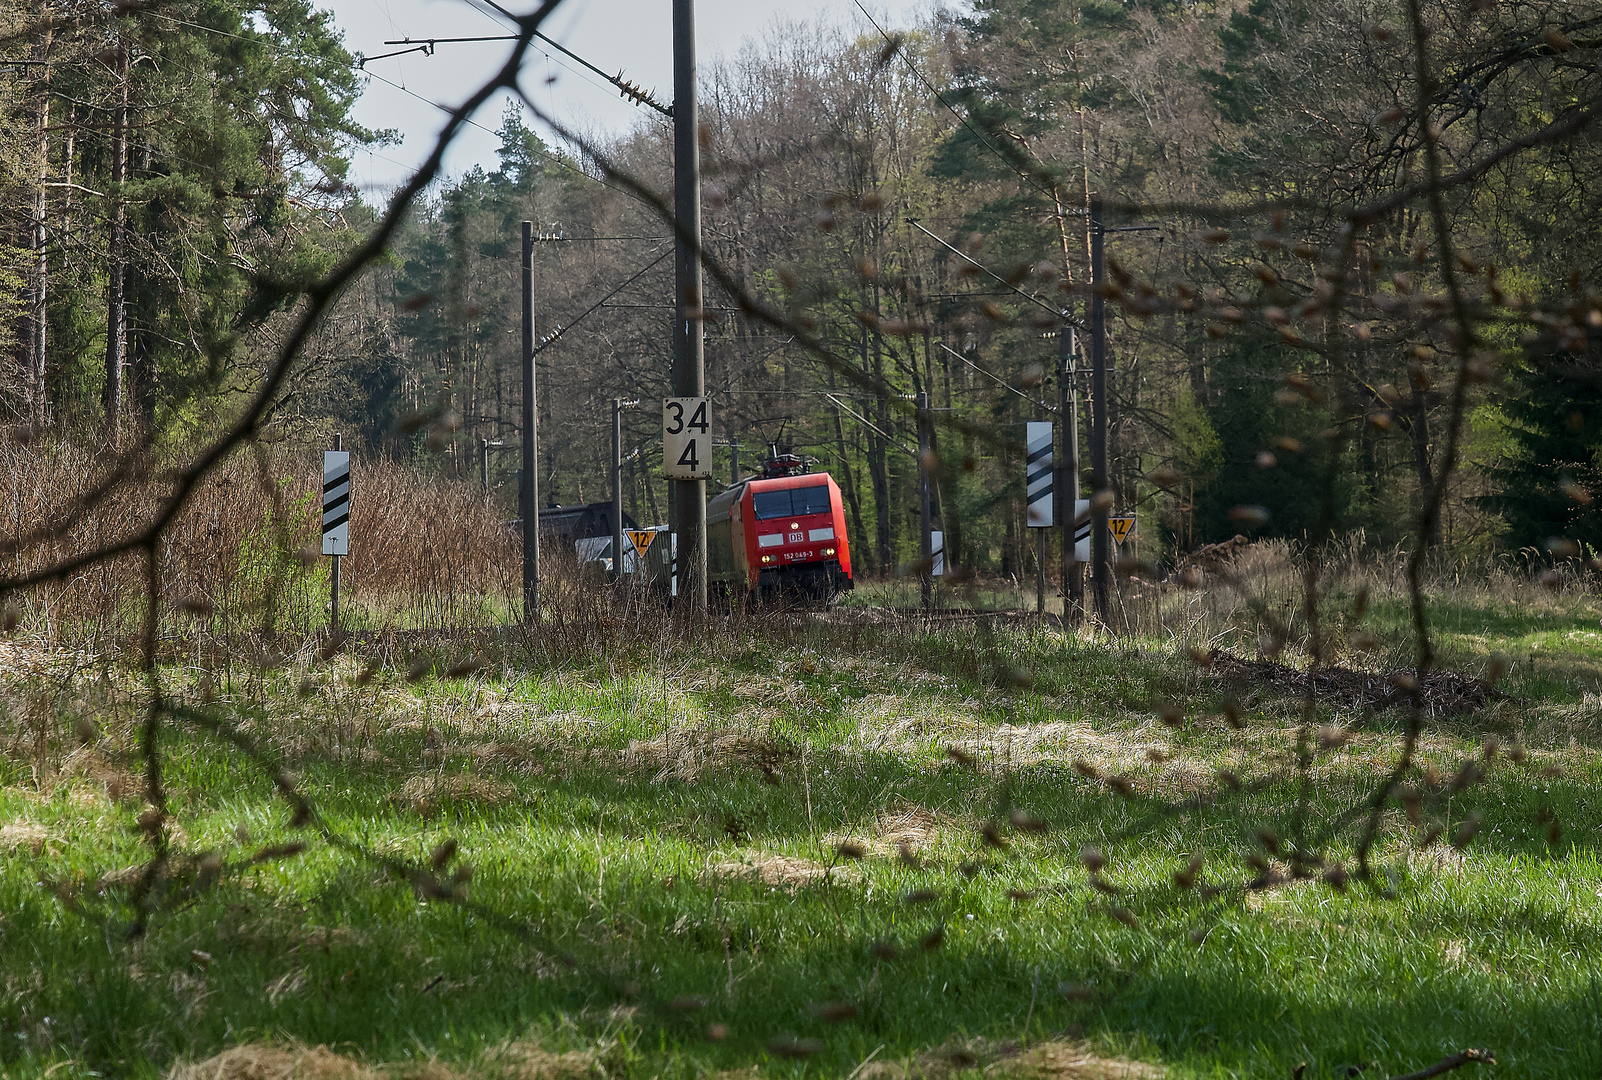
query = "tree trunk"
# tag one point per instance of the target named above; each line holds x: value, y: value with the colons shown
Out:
x: 37, y: 321
x: 141, y: 299
x: 116, y: 257
x: 1419, y: 421
x: 848, y: 483
x: 879, y: 476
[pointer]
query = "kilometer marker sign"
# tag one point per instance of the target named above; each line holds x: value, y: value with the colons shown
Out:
x: 336, y: 502
x: 686, y: 438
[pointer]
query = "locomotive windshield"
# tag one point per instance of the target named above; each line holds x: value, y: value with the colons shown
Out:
x: 791, y: 502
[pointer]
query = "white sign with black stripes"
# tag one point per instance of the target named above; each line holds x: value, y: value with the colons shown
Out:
x: 1038, y: 474
x: 336, y: 502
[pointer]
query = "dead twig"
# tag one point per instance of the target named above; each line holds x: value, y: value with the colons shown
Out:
x: 1447, y: 1064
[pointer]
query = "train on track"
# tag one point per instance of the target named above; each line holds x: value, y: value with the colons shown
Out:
x: 779, y: 534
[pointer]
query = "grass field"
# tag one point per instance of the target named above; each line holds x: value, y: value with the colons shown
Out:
x: 764, y: 852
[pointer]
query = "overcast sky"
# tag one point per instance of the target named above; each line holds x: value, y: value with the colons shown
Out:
x: 631, y: 35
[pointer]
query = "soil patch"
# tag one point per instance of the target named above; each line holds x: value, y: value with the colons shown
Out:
x: 1441, y: 693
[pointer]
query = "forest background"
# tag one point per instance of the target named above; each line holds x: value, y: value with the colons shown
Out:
x: 174, y: 175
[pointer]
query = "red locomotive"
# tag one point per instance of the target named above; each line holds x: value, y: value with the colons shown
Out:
x: 782, y: 532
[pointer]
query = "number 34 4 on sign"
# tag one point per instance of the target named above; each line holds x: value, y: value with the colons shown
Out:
x: 686, y: 438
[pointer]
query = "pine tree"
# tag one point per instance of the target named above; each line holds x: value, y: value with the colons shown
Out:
x: 1550, y: 484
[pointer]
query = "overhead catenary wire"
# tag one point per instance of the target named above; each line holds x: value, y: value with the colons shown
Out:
x: 268, y: 44
x: 551, y: 158
x: 627, y: 88
x: 997, y: 378
x: 870, y: 425
x: 280, y: 50
x: 561, y: 328
x: 985, y: 269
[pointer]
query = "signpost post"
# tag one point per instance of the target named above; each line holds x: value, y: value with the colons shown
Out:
x: 336, y: 518
x: 1038, y: 487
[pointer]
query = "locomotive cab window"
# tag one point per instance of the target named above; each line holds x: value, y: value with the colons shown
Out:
x: 791, y: 502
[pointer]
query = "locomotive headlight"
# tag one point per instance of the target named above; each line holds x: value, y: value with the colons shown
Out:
x: 767, y: 558
x: 828, y: 551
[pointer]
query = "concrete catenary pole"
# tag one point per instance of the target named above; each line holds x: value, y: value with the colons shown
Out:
x: 1073, y: 576
x: 531, y: 442
x: 617, y: 489
x: 689, y: 358
x: 925, y: 505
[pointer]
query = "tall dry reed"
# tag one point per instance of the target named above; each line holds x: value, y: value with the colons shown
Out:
x: 246, y: 552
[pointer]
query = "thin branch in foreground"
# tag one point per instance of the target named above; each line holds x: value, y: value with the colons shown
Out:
x: 1447, y: 1064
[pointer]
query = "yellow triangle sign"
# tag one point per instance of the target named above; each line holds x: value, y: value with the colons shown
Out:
x: 641, y: 539
x: 1120, y: 526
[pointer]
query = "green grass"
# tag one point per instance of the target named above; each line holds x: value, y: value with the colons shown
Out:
x: 607, y: 804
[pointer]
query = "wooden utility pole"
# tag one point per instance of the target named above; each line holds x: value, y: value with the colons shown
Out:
x: 689, y: 355
x: 531, y: 443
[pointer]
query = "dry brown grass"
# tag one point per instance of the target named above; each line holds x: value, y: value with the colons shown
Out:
x: 265, y: 1061
x: 685, y: 754
x: 269, y: 1061
x: 23, y: 834
x: 910, y: 823
x: 780, y: 871
x: 1054, y: 1060
x: 246, y: 550
x: 1075, y: 1061
x: 431, y: 792
x: 529, y: 1061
